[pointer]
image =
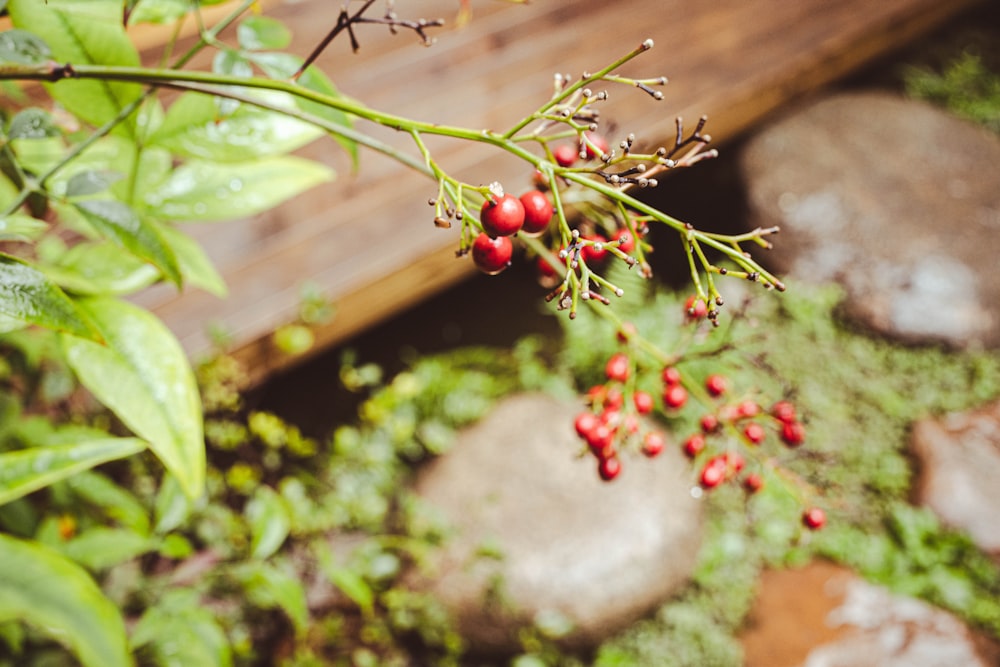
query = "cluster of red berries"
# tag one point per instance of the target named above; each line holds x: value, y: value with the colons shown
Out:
x: 614, y: 418
x: 502, y: 217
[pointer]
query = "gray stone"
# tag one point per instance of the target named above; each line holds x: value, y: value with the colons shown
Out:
x: 826, y: 616
x: 572, y: 549
x: 958, y: 459
x: 897, y: 201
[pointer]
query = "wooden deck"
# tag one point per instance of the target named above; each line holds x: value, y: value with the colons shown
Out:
x: 368, y: 241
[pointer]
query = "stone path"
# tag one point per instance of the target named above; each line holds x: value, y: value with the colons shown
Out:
x: 570, y: 547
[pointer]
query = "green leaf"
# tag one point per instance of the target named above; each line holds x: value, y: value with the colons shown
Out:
x: 91, y: 182
x: 21, y: 227
x: 23, y: 48
x: 119, y: 222
x: 115, y: 500
x: 208, y: 191
x: 195, y: 128
x: 32, y: 123
x: 83, y: 33
x: 262, y: 32
x: 100, y: 548
x: 269, y: 522
x: 143, y: 376
x: 196, y: 267
x: 350, y: 582
x: 158, y: 11
x: 171, y: 507
x: 29, y: 296
x: 283, y: 66
x: 101, y: 267
x: 26, y: 470
x: 267, y: 586
x: 182, y: 633
x: 43, y: 588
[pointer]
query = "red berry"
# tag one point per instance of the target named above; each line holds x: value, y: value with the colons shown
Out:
x: 734, y: 461
x: 599, y: 142
x: 793, y: 433
x: 748, y: 409
x: 714, y: 472
x: 609, y: 468
x: 643, y: 402
x: 694, y: 445
x: 753, y: 482
x: 618, y: 367
x: 783, y: 411
x: 814, y: 518
x: 537, y: 212
x: 584, y: 423
x: 754, y: 432
x: 671, y: 376
x: 626, y: 332
x: 594, y: 253
x: 547, y: 270
x: 631, y: 424
x: 675, y: 396
x: 600, y: 439
x: 709, y: 423
x: 653, y: 443
x: 502, y: 217
x: 565, y: 155
x: 492, y: 255
x: 614, y: 398
x: 612, y: 418
x: 695, y: 308
x: 628, y: 244
x: 716, y: 385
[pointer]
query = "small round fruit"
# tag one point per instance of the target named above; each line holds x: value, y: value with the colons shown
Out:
x: 618, y: 367
x: 793, y: 433
x: 695, y: 308
x: 783, y: 411
x: 565, y: 155
x: 753, y: 482
x: 600, y: 438
x: 592, y: 253
x: 709, y: 423
x: 716, y: 385
x: 502, y: 217
x: 614, y: 399
x: 599, y: 142
x: 814, y: 518
x: 671, y: 376
x: 653, y: 443
x: 675, y: 396
x: 754, y: 432
x: 748, y: 409
x: 694, y: 444
x: 643, y: 402
x: 609, y: 468
x: 625, y: 240
x: 537, y: 212
x: 492, y: 255
x: 714, y: 472
x: 585, y: 422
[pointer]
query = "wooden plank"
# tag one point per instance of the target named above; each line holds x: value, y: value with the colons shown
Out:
x: 368, y: 242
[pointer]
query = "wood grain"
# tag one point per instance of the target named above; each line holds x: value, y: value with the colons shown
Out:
x: 367, y: 241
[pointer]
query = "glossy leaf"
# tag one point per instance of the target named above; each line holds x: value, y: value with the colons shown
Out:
x: 115, y: 501
x: 48, y: 591
x: 101, y: 267
x: 196, y: 266
x: 283, y: 66
x: 171, y: 507
x: 143, y: 376
x: 91, y: 182
x: 269, y: 522
x: 194, y: 127
x: 26, y: 470
x: 262, y: 32
x: 120, y: 223
x: 83, y: 33
x: 23, y: 48
x: 29, y: 296
x: 267, y: 586
x: 32, y: 123
x: 20, y: 227
x: 180, y: 632
x: 99, y: 548
x: 207, y: 191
